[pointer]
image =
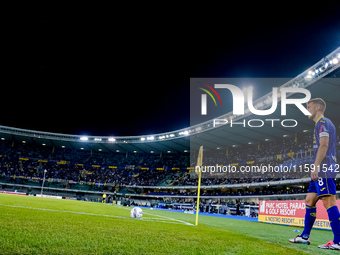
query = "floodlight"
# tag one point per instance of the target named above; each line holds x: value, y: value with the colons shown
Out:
x: 186, y: 132
x: 84, y: 138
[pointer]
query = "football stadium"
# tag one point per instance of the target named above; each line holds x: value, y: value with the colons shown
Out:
x: 73, y: 194
x: 146, y: 128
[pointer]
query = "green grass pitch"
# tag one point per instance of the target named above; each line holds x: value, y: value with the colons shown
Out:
x: 31, y: 225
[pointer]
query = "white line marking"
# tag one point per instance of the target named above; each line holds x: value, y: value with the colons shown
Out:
x: 181, y: 221
x: 172, y: 219
x: 104, y: 215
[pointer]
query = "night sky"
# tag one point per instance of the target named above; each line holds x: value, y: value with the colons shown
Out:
x: 129, y: 74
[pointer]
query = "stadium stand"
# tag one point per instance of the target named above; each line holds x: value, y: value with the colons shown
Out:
x: 24, y: 163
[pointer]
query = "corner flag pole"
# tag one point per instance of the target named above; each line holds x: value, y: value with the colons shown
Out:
x: 199, y: 163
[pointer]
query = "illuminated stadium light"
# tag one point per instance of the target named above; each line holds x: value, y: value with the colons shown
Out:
x: 111, y: 139
x: 161, y: 137
x: 186, y: 132
x: 268, y: 100
x: 335, y: 61
x: 260, y: 104
x: 97, y: 139
x: 84, y: 138
x: 150, y: 138
x: 142, y: 139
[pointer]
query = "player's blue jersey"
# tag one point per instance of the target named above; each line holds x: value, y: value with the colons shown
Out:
x: 325, y: 185
x: 325, y: 128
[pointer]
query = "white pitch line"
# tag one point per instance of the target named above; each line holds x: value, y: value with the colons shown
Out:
x: 102, y: 215
x: 172, y: 219
x: 54, y: 210
x: 181, y: 221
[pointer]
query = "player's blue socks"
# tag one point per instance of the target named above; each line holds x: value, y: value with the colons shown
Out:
x: 309, y: 221
x: 333, y: 216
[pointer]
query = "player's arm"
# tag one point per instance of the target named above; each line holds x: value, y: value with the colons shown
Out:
x: 320, y: 155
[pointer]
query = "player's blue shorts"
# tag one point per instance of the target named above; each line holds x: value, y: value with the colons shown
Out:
x: 323, y: 187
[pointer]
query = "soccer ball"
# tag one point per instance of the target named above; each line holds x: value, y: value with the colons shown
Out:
x: 136, y: 212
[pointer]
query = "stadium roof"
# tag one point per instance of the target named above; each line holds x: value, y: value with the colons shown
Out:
x: 206, y: 133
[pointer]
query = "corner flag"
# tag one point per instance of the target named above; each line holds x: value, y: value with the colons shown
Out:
x: 199, y: 163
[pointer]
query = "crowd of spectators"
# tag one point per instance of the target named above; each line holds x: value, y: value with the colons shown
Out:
x: 23, y: 159
x: 142, y: 169
x: 236, y: 192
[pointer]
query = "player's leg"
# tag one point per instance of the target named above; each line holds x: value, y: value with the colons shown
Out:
x: 328, y: 201
x: 328, y: 192
x: 310, y: 217
x: 334, y: 218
